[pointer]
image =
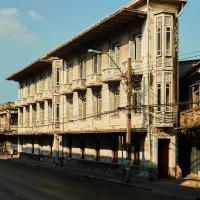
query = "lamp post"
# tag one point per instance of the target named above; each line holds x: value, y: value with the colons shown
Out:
x: 128, y: 77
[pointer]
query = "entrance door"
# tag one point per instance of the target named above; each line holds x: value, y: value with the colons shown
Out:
x: 163, y: 158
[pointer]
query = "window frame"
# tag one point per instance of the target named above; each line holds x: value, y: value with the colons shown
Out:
x: 168, y: 52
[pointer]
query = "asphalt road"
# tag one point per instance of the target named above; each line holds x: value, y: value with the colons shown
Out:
x: 19, y: 181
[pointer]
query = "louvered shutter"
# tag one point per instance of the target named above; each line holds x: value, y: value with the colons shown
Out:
x: 99, y: 103
x: 70, y: 73
x: 80, y: 106
x: 117, y: 54
x: 84, y: 107
x: 117, y: 99
x: 111, y: 100
x: 94, y: 104
x: 98, y: 63
x: 138, y: 48
x: 111, y: 53
x: 132, y: 50
x: 139, y: 101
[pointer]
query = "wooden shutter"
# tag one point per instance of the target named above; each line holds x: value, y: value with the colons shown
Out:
x: 111, y: 99
x: 111, y: 53
x: 117, y: 98
x: 139, y: 100
x: 138, y: 48
x: 117, y: 54
x: 70, y: 73
x: 132, y: 50
x: 80, y: 104
x: 84, y: 106
x: 98, y: 63
x: 99, y: 103
x: 94, y: 104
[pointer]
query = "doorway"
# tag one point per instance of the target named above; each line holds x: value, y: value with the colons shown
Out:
x: 163, y: 158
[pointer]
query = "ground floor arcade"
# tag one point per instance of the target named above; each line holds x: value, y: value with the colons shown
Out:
x: 153, y: 154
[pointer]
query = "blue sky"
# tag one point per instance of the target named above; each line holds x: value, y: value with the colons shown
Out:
x: 29, y: 29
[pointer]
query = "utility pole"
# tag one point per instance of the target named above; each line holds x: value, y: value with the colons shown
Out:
x: 128, y: 120
x: 128, y: 77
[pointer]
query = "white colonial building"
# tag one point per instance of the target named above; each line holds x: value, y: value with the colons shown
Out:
x: 72, y: 103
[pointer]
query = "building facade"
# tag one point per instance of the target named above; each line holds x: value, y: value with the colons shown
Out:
x: 72, y: 103
x: 8, y: 126
x: 189, y: 138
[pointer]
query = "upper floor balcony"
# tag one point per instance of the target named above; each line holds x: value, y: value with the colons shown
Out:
x: 38, y: 97
x: 47, y: 95
x: 190, y: 118
x: 94, y: 80
x: 24, y: 101
x: 136, y: 66
x: 66, y: 88
x: 18, y: 103
x: 163, y: 119
x: 111, y: 74
x: 79, y: 84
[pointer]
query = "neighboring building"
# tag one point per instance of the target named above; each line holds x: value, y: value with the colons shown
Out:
x: 8, y: 125
x: 189, y: 136
x: 72, y: 103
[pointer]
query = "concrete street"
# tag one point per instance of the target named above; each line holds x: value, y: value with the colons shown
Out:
x: 20, y: 181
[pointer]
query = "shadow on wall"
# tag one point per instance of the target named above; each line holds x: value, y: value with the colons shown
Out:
x: 89, y: 152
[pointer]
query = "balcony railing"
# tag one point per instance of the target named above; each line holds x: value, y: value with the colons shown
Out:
x: 66, y: 89
x: 94, y: 80
x: 18, y: 103
x: 79, y: 84
x: 111, y: 74
x: 24, y: 101
x: 38, y: 97
x: 30, y: 99
x: 47, y: 95
x: 190, y: 118
x: 136, y: 65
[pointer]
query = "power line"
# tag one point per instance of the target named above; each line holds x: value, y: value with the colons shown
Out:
x: 189, y: 53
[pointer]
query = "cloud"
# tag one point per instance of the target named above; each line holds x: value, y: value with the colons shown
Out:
x: 35, y: 15
x: 11, y: 26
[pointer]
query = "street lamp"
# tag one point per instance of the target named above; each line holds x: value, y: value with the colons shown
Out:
x: 128, y: 77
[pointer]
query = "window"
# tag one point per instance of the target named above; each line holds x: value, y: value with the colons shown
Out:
x: 49, y: 79
x: 97, y: 102
x: 21, y: 117
x: 168, y: 41
x: 69, y: 107
x: 114, y: 98
x: 82, y: 105
x: 57, y: 112
x: 69, y: 73
x: 83, y: 69
x: 196, y: 97
x: 41, y: 113
x: 33, y: 115
x: 57, y: 76
x: 167, y: 96
x: 49, y: 112
x: 96, y: 64
x: 159, y: 41
x: 114, y: 54
x: 137, y: 100
x: 27, y: 116
x: 135, y: 47
x: 159, y: 36
x: 159, y: 96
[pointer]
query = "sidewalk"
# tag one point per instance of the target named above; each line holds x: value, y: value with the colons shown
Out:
x: 188, y: 188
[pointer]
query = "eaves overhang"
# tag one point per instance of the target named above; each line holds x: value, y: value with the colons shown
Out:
x: 100, y: 30
x: 29, y: 69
